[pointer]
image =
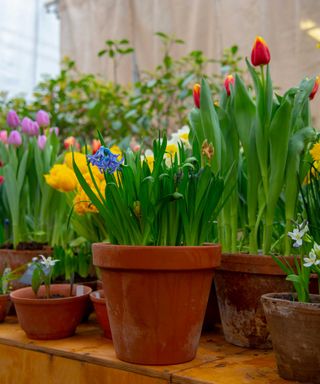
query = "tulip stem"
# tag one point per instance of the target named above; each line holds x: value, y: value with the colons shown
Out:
x: 262, y: 76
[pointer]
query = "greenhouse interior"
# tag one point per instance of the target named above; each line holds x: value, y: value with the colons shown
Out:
x: 159, y: 191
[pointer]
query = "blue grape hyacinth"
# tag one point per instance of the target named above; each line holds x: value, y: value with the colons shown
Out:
x: 105, y: 160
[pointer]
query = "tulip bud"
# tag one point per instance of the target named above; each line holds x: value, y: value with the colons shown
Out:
x: 228, y: 80
x: 54, y: 130
x: 29, y: 127
x: 13, y: 119
x: 260, y: 54
x: 71, y: 141
x: 15, y: 138
x: 4, y: 136
x: 196, y: 95
x: 1, y: 179
x: 42, y: 118
x: 42, y: 139
x: 315, y: 88
x: 35, y: 129
x: 95, y: 145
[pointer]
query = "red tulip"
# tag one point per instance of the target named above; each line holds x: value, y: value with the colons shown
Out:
x: 95, y: 145
x: 315, y: 88
x: 228, y: 80
x: 196, y: 95
x: 260, y: 54
x: 1, y: 180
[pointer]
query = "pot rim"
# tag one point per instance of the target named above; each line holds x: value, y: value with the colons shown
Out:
x: 42, y: 301
x: 151, y: 247
x: 99, y: 299
x: 278, y: 298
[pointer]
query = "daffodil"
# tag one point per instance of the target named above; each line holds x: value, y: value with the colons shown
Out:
x: 79, y: 158
x: 315, y: 152
x: 62, y: 178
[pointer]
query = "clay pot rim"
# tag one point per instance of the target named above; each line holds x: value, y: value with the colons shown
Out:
x: 96, y: 299
x: 156, y: 258
x: 4, y: 296
x: 278, y: 298
x: 15, y: 296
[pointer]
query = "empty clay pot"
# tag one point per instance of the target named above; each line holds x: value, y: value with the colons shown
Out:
x: 295, y: 333
x: 100, y: 307
x: 54, y: 318
x: 156, y: 298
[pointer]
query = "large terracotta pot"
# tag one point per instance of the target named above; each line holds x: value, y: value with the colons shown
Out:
x: 100, y: 307
x: 54, y: 318
x: 5, y: 304
x: 295, y: 333
x: 156, y: 299
x: 240, y: 282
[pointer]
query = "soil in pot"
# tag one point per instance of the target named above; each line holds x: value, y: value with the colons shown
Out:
x: 295, y: 333
x: 5, y: 305
x: 48, y: 319
x: 156, y: 299
x: 100, y: 307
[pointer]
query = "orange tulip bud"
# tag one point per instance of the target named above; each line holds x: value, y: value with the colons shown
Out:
x: 228, y: 80
x: 196, y: 95
x: 260, y: 54
x: 315, y: 88
x: 95, y: 145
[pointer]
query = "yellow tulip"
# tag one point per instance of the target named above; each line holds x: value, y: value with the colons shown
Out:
x: 61, y: 178
x: 79, y: 158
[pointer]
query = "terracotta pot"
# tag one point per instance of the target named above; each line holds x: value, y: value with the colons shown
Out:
x: 100, y: 307
x: 156, y: 299
x: 49, y: 319
x: 15, y: 258
x: 5, y: 304
x: 295, y: 332
x: 240, y: 282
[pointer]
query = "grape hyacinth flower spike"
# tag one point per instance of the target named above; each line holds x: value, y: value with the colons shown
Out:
x: 105, y: 160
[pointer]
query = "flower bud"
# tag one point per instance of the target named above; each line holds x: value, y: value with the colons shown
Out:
x: 35, y: 129
x: 14, y: 138
x: 1, y: 180
x: 95, y: 145
x: 4, y: 136
x: 260, y: 54
x: 196, y: 95
x: 26, y: 125
x: 71, y: 142
x: 13, y: 119
x: 42, y: 118
x: 54, y: 130
x: 315, y: 88
x: 42, y: 139
x: 228, y: 80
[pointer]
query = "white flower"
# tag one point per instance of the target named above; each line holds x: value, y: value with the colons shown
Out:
x: 311, y: 260
x: 48, y: 262
x: 297, y: 235
x: 34, y: 259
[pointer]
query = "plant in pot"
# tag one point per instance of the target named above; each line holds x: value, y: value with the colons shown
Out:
x: 294, y: 319
x: 27, y: 151
x: 49, y: 311
x: 267, y: 137
x: 158, y: 212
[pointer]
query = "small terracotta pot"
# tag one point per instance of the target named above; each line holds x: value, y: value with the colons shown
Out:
x: 240, y: 281
x: 15, y: 258
x: 5, y: 304
x: 49, y: 319
x: 156, y: 299
x: 295, y: 333
x: 100, y: 307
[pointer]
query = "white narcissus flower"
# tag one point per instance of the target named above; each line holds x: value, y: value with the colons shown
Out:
x: 312, y: 259
x: 297, y: 236
x: 48, y: 262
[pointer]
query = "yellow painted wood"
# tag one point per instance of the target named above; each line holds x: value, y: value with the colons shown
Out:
x: 89, y: 358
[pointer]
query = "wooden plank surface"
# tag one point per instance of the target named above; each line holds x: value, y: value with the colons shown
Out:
x: 88, y: 354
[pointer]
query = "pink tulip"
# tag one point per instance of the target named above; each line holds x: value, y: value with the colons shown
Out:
x: 42, y: 118
x: 42, y: 139
x: 13, y: 119
x: 4, y: 136
x: 55, y: 130
x: 15, y: 138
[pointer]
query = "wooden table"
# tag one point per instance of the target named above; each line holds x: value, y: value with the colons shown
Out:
x: 89, y: 358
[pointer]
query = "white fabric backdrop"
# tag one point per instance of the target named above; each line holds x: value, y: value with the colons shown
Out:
x: 208, y: 25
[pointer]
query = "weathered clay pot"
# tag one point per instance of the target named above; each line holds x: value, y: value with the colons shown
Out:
x: 15, y: 258
x: 295, y: 333
x: 100, y: 307
x: 156, y: 299
x: 54, y: 318
x: 240, y: 282
x: 5, y: 304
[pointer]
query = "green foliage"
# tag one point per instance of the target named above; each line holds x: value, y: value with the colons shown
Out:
x: 79, y: 104
x: 173, y: 202
x: 9, y: 275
